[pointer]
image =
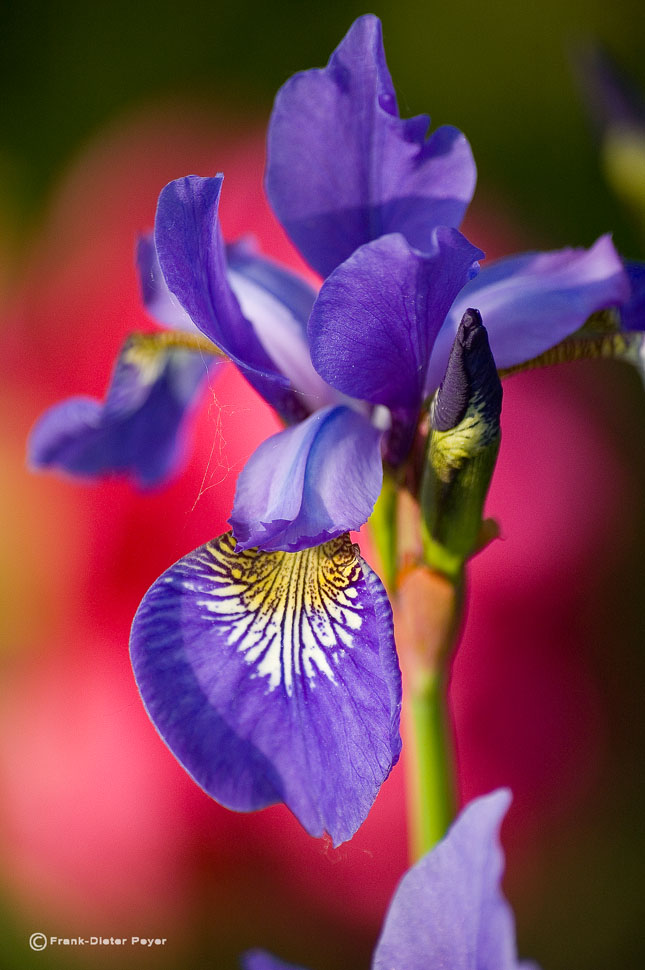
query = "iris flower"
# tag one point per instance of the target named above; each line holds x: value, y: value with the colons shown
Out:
x: 448, y: 911
x: 266, y: 659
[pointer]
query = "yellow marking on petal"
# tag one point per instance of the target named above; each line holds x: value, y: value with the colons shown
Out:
x: 148, y: 351
x: 624, y: 345
x: 602, y: 321
x: 290, y: 613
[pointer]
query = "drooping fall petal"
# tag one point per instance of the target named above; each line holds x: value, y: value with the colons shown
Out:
x: 139, y: 429
x: 273, y: 677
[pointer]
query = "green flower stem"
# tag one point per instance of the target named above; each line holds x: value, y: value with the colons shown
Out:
x: 383, y: 527
x: 428, y: 617
x: 431, y: 785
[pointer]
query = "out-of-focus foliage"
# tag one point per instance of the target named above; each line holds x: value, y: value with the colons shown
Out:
x: 499, y: 70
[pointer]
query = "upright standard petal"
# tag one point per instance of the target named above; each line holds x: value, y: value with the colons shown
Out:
x: 273, y: 677
x: 532, y: 301
x: 309, y: 483
x: 448, y: 910
x: 192, y: 257
x: 373, y: 326
x: 138, y: 429
x: 343, y: 168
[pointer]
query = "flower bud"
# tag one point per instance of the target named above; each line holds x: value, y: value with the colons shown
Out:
x: 462, y: 449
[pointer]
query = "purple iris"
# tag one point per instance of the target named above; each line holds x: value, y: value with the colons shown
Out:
x: 158, y: 379
x: 448, y: 910
x: 268, y: 664
x: 344, y: 170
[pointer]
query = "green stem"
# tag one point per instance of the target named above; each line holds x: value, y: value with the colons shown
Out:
x: 431, y: 795
x: 429, y: 609
x: 383, y: 528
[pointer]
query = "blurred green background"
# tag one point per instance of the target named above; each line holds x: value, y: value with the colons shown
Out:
x: 502, y: 72
x: 499, y: 70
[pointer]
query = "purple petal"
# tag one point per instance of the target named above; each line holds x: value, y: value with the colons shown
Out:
x: 309, y: 483
x: 192, y: 257
x: 137, y: 430
x: 273, y: 677
x: 632, y: 313
x: 343, y: 168
x: 261, y: 960
x: 160, y: 303
x: 278, y: 303
x: 293, y: 292
x: 532, y: 301
x: 373, y: 326
x: 448, y: 910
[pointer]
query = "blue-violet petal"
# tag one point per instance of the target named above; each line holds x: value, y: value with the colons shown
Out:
x: 374, y: 324
x: 278, y: 304
x: 448, y: 910
x: 343, y: 168
x: 192, y: 257
x: 309, y: 483
x: 532, y: 301
x: 273, y: 677
x: 162, y: 305
x: 140, y: 427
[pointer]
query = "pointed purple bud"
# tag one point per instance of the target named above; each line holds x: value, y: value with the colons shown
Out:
x: 471, y: 376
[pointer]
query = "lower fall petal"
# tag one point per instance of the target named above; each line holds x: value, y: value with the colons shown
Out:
x: 273, y: 677
x: 138, y: 429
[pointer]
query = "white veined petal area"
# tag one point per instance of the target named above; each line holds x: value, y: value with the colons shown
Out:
x: 291, y: 615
